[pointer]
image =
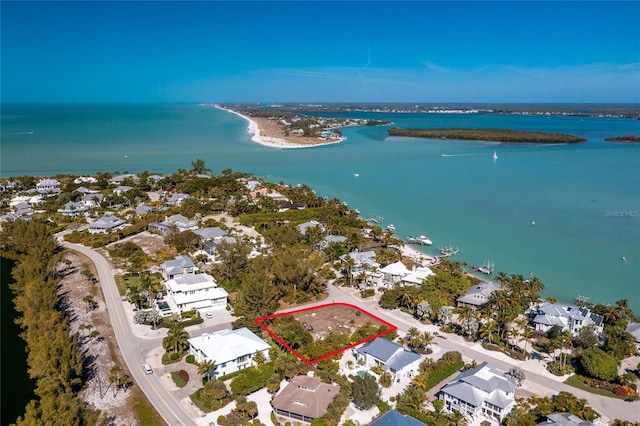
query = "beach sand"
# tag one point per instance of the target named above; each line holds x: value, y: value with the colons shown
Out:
x: 266, y: 132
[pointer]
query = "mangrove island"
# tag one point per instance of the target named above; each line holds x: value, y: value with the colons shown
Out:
x: 493, y: 135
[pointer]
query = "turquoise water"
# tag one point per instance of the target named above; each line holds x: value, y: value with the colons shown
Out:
x: 584, y: 199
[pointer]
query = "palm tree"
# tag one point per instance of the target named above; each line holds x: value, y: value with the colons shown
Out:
x: 350, y: 264
x: 205, y: 367
x: 427, y: 339
x: 623, y: 308
x: 413, y: 337
x: 177, y: 339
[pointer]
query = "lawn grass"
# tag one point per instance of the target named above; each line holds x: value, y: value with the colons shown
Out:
x: 576, y: 383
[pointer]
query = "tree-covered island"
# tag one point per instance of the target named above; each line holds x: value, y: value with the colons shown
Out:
x: 624, y: 139
x: 494, y: 135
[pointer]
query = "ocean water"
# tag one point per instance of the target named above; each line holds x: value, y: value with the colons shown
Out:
x: 584, y: 199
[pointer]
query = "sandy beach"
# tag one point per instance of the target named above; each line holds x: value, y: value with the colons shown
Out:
x: 267, y: 133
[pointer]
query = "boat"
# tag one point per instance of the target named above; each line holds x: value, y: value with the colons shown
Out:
x: 486, y: 268
x: 422, y: 240
x: 376, y: 219
x: 495, y: 155
x: 356, y: 174
x: 391, y: 228
x: 449, y: 250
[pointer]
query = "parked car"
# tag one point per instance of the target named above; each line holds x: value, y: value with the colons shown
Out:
x: 147, y: 368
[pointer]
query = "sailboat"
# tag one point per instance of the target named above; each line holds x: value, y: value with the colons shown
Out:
x: 495, y: 155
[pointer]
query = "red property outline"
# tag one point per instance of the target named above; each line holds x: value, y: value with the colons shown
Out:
x: 259, y: 321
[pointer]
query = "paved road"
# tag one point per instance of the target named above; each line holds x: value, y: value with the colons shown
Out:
x: 132, y: 348
x: 611, y: 407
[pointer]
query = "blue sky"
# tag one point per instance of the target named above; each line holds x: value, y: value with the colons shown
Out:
x: 364, y: 51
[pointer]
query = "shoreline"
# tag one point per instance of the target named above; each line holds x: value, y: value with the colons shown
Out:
x: 256, y: 131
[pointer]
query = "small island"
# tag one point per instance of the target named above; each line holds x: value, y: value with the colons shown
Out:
x: 493, y: 135
x: 624, y: 139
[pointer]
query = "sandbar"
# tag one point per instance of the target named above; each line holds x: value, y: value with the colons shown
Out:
x: 267, y: 133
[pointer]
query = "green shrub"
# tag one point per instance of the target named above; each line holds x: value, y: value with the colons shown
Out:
x: 251, y: 379
x: 191, y: 359
x: 599, y: 364
x: 178, y: 379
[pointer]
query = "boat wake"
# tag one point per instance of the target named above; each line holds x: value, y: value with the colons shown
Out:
x: 459, y: 155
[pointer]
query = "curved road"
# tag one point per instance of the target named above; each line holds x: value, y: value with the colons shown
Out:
x: 130, y: 347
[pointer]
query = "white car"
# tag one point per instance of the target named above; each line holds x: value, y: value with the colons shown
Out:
x: 147, y: 368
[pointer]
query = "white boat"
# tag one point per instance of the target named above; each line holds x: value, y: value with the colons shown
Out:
x: 447, y: 251
x: 486, y: 268
x: 356, y: 174
x: 422, y: 240
x: 391, y: 228
x: 495, y: 155
x: 376, y: 219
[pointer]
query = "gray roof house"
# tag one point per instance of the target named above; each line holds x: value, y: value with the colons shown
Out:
x: 122, y: 189
x: 393, y: 418
x: 73, y: 209
x: 303, y: 227
x: 304, y: 398
x: 176, y: 199
x: 210, y: 247
x: 177, y: 267
x: 393, y: 357
x: 332, y: 239
x: 480, y: 391
x: 177, y: 221
x: 117, y: 180
x: 568, y: 419
x: 92, y: 199
x: 571, y: 318
x: 106, y: 224
x: 361, y: 258
x: 48, y: 186
x: 478, y: 295
x: 210, y: 233
x: 633, y: 328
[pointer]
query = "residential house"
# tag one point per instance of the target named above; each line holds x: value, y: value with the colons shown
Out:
x: 211, y: 247
x: 394, y: 272
x: 571, y: 318
x: 210, y: 233
x: 142, y: 210
x: 230, y: 350
x: 393, y: 418
x: 48, y: 186
x: 304, y: 398
x: 394, y: 358
x: 195, y: 291
x: 303, y: 227
x: 568, y: 419
x: 332, y: 239
x: 177, y: 267
x: 480, y: 391
x: 633, y: 328
x: 361, y: 260
x: 122, y: 189
x: 119, y: 179
x: 417, y: 276
x: 72, y: 209
x: 176, y: 221
x: 176, y: 199
x: 85, y: 179
x: 283, y: 206
x: 92, y: 200
x: 106, y: 224
x: 85, y: 190
x: 478, y: 295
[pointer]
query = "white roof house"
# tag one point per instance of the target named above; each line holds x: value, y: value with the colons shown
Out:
x: 106, y: 224
x: 571, y: 318
x: 480, y: 391
x: 117, y: 180
x: 176, y: 199
x: 231, y: 350
x: 478, y: 294
x: 195, y: 291
x: 303, y: 227
x: 417, y: 276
